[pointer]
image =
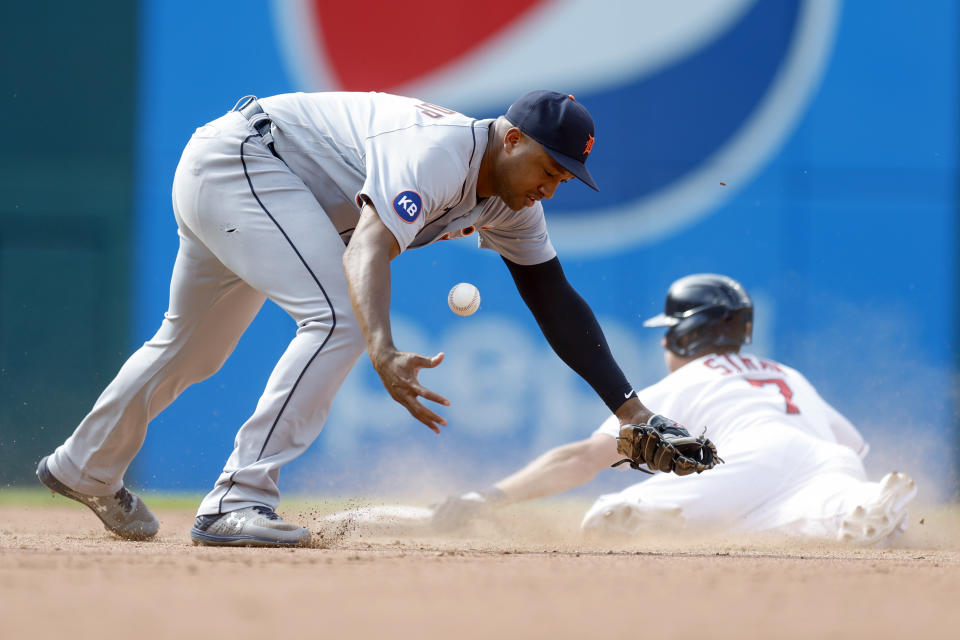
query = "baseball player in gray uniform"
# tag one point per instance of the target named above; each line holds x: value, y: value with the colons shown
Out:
x: 305, y: 199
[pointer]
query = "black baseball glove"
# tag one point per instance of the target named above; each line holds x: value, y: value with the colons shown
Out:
x: 664, y: 445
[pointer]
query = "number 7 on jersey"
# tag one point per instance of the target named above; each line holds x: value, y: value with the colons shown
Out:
x: 785, y: 391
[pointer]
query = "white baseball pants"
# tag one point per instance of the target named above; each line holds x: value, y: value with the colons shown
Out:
x: 249, y: 230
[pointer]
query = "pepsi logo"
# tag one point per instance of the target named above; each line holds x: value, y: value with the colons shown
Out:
x: 407, y: 204
x: 685, y: 96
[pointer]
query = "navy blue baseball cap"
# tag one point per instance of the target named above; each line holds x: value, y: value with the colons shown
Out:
x: 561, y: 125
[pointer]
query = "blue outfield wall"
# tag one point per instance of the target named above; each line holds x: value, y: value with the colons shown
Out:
x: 809, y: 149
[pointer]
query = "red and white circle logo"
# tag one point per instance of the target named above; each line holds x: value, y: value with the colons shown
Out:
x: 685, y: 96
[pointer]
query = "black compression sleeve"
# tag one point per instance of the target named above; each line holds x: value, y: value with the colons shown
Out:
x: 570, y: 327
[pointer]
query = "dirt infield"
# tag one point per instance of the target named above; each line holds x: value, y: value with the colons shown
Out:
x: 62, y: 575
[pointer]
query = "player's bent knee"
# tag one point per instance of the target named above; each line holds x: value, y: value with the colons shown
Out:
x: 350, y: 335
x: 627, y: 518
x: 345, y: 334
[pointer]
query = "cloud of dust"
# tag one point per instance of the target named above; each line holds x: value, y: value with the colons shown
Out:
x: 871, y: 364
x: 875, y: 368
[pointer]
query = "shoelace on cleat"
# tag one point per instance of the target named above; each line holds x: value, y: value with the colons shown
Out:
x: 267, y: 512
x: 125, y: 498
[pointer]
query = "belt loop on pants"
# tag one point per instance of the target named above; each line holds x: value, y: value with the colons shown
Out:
x: 250, y: 109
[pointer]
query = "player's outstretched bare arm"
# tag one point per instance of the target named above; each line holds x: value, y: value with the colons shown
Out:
x: 366, y: 263
x: 561, y: 469
x: 558, y: 470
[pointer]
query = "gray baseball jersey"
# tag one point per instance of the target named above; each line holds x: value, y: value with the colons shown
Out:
x: 417, y: 163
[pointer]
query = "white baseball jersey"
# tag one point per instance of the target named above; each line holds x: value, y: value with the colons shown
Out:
x: 792, y: 462
x: 725, y: 394
x: 416, y: 162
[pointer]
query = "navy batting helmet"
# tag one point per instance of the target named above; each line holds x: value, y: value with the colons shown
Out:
x: 705, y: 311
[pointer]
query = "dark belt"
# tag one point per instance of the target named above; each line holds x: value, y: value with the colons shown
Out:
x: 250, y: 109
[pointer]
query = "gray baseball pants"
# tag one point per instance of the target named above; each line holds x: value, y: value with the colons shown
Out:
x: 249, y: 230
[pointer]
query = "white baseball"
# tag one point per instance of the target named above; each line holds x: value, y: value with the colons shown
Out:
x: 464, y: 299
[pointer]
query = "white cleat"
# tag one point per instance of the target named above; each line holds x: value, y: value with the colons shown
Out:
x: 879, y: 521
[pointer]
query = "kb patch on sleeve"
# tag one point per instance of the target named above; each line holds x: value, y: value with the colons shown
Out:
x: 407, y: 204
